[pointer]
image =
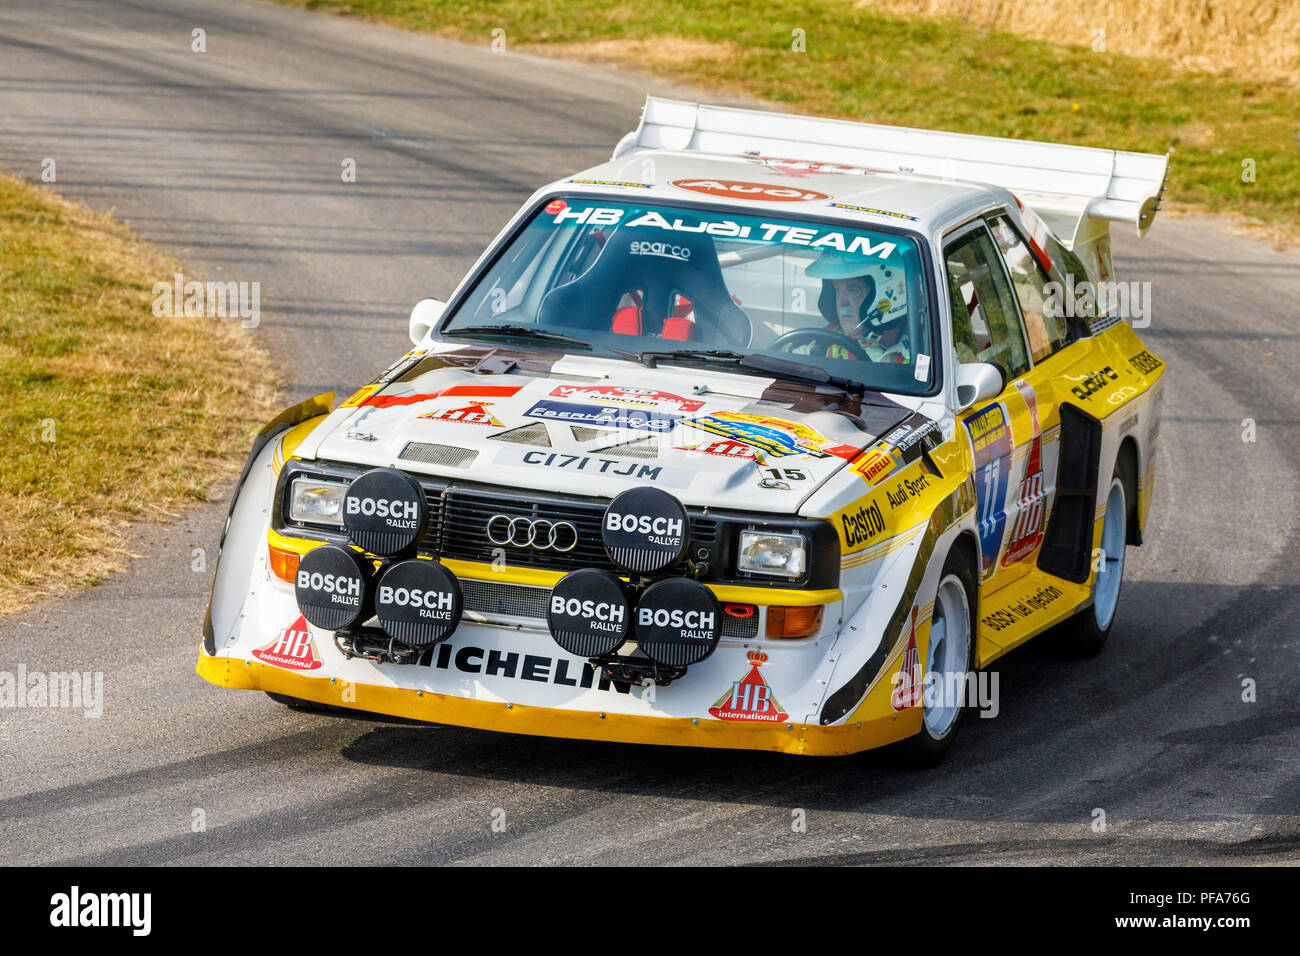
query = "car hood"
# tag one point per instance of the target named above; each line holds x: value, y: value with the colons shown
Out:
x: 596, y: 427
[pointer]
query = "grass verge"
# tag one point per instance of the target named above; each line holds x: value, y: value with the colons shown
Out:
x: 108, y: 414
x: 1236, y: 139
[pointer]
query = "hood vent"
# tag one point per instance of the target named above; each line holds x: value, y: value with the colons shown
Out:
x: 640, y: 448
x: 448, y: 456
x: 535, y: 434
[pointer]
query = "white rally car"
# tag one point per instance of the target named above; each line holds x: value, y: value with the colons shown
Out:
x: 767, y: 433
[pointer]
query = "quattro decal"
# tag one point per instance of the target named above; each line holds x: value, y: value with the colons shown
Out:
x: 1094, y: 382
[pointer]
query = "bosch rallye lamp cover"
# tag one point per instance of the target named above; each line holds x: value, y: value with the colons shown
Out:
x: 678, y: 622
x: 716, y: 446
x: 589, y: 613
x: 645, y: 530
x: 332, y: 587
x: 418, y: 602
x: 384, y: 511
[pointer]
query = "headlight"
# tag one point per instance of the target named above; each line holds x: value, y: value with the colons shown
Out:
x: 764, y: 552
x: 314, y: 501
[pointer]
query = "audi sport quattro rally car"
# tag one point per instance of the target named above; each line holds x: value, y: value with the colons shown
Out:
x: 765, y: 434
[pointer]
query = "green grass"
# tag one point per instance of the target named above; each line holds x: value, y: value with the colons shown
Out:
x: 862, y: 64
x: 107, y: 413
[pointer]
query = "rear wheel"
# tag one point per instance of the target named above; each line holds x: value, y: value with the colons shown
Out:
x: 948, y: 659
x: 1084, y: 634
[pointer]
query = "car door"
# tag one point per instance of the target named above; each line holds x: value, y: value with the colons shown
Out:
x: 1038, y: 452
x: 1006, y: 434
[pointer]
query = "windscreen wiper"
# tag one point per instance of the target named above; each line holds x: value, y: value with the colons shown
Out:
x: 758, y: 362
x: 543, y: 335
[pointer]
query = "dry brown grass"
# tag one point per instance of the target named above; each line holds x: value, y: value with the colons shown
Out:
x: 654, y: 54
x: 146, y: 414
x: 1258, y: 39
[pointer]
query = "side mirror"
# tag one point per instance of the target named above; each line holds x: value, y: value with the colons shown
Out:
x: 425, y: 316
x: 977, y: 381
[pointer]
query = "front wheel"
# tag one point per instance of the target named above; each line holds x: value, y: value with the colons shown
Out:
x: 948, y: 661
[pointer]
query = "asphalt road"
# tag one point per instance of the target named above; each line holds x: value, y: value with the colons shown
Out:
x: 232, y: 159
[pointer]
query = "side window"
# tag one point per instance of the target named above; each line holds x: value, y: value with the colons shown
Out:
x: 1046, y: 331
x: 985, y: 326
x: 1069, y: 267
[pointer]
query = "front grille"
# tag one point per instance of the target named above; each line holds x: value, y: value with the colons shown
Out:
x: 505, y: 600
x: 524, y: 602
x: 459, y: 517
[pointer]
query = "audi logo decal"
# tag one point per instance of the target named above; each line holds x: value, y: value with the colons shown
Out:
x: 536, y: 533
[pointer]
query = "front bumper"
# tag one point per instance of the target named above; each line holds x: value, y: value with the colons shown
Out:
x: 784, y: 737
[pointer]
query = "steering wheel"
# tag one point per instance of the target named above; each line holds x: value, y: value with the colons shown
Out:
x: 817, y: 337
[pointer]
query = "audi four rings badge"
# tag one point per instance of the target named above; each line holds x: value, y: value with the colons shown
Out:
x: 540, y: 534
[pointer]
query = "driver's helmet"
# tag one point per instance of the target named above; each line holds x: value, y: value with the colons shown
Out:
x: 885, y: 306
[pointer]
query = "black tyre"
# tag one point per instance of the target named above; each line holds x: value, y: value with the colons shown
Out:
x: 951, y: 652
x: 310, y: 706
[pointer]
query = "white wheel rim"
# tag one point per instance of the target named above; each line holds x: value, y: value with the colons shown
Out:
x: 948, y: 654
x: 1110, y: 570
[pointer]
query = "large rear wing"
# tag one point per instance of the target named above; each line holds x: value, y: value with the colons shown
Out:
x: 1075, y: 189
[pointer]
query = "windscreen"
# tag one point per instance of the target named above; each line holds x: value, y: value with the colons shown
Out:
x: 649, y: 278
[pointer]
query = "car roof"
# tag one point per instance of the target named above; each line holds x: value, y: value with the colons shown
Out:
x: 857, y: 195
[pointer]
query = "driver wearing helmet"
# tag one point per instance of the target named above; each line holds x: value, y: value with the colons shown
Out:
x: 865, y: 301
